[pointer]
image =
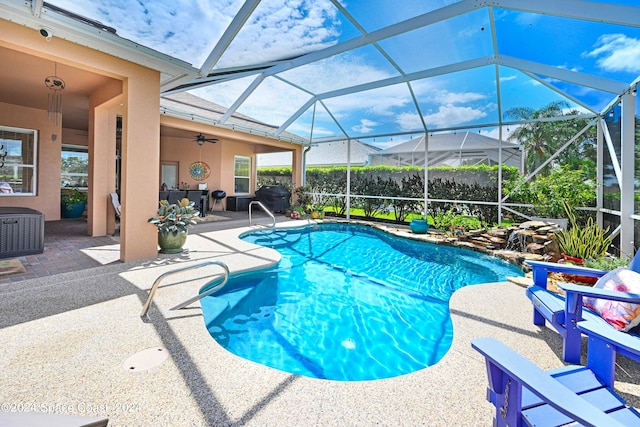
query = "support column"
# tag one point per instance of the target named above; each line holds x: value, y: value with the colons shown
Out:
x: 140, y: 165
x: 298, y: 166
x: 426, y: 173
x: 102, y: 168
x: 627, y: 167
x: 500, y: 176
x: 104, y: 106
x: 600, y: 168
x: 348, y: 178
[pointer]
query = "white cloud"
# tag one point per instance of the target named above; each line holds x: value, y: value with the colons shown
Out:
x: 190, y: 29
x: 617, y: 52
x: 281, y: 29
x: 451, y: 115
x: 365, y: 126
x: 508, y: 78
x: 184, y: 29
x: 409, y: 121
x: 429, y: 92
x: 446, y: 97
x: 335, y: 73
x: 446, y: 116
x: 527, y: 19
x: 382, y: 101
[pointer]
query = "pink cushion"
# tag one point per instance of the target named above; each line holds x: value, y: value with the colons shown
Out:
x: 621, y: 315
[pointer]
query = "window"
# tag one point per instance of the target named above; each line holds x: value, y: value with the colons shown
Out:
x: 74, y: 170
x: 169, y: 174
x: 242, y: 175
x: 17, y: 161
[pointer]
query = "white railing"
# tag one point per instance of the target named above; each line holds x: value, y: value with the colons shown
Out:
x: 200, y: 295
x: 273, y: 218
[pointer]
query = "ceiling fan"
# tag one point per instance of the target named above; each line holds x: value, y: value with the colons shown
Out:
x: 201, y: 139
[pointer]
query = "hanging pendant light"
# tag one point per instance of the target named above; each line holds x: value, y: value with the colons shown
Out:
x: 54, y: 104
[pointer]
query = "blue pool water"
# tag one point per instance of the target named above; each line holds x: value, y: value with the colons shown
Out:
x: 346, y: 302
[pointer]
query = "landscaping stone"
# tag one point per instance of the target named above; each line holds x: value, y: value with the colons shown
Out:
x: 531, y: 240
x: 535, y: 248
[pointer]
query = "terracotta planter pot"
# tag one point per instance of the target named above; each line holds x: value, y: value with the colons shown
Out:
x: 172, y: 243
x: 317, y: 215
x: 575, y: 277
x: 574, y: 260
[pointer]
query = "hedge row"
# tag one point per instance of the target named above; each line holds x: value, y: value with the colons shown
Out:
x: 461, y: 183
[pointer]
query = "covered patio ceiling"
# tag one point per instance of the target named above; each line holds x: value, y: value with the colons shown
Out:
x: 330, y: 69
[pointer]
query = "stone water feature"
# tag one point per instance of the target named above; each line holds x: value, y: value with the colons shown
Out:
x: 534, y: 240
x: 531, y: 240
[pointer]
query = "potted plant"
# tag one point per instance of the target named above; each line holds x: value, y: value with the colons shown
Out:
x: 580, y: 243
x: 317, y: 211
x: 419, y: 224
x: 73, y: 203
x: 297, y: 213
x: 173, y: 222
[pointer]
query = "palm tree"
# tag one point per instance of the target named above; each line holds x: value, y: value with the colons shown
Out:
x: 541, y: 139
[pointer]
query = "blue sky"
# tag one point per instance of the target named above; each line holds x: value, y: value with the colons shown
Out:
x: 189, y: 30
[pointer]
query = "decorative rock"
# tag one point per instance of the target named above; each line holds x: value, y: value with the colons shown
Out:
x: 540, y: 238
x: 533, y: 240
x: 535, y: 225
x: 532, y: 257
x: 535, y: 248
x: 468, y: 245
x: 498, y: 241
x: 511, y: 256
x: 481, y: 239
x: 551, y: 246
x: 498, y: 232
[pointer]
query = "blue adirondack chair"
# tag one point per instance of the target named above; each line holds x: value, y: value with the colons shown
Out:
x: 605, y: 342
x: 550, y: 307
x: 525, y: 395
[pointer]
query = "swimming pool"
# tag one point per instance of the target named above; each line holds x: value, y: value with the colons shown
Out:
x: 346, y: 302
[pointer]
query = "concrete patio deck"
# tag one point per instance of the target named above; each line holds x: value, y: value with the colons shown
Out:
x: 66, y: 338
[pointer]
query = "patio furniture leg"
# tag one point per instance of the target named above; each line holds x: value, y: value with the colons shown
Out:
x: 572, y: 344
x: 572, y: 335
x: 538, y: 319
x: 601, y: 359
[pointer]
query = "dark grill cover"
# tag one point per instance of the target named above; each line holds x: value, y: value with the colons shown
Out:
x: 274, y: 197
x: 218, y: 194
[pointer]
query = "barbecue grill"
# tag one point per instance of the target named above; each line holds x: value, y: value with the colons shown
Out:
x: 274, y: 197
x: 217, y: 196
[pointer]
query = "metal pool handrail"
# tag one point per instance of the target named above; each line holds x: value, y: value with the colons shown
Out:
x: 155, y: 285
x: 264, y: 209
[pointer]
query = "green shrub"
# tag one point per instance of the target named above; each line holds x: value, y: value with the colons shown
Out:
x: 479, y: 183
x: 549, y: 192
x: 607, y: 262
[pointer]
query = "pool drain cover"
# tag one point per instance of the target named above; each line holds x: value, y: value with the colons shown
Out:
x: 146, y: 359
